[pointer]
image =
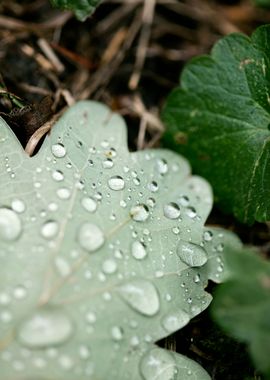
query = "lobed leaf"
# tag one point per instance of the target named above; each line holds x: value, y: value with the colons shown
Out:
x: 103, y: 252
x: 219, y: 119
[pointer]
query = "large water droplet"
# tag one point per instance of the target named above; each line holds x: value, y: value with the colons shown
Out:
x: 138, y: 250
x: 171, y: 210
x: 139, y: 213
x: 191, y: 254
x: 49, y: 229
x: 90, y: 237
x: 44, y: 328
x: 58, y: 150
x: 141, y: 295
x: 10, y: 225
x: 158, y: 364
x: 175, y: 320
x: 116, y: 183
x: 89, y: 204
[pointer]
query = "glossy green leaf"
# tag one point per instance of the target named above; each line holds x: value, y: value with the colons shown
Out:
x: 219, y: 119
x: 242, y: 305
x: 103, y: 252
x: 81, y: 8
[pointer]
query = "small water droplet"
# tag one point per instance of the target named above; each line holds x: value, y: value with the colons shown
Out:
x: 153, y: 186
x: 184, y: 200
x: 63, y: 193
x: 62, y: 266
x: 175, y: 320
x: 58, y: 150
x: 89, y: 204
x: 18, y: 205
x: 116, y: 183
x: 117, y: 333
x: 139, y: 213
x: 107, y: 164
x: 171, y: 210
x: 141, y: 295
x: 109, y: 266
x: 138, y: 250
x: 57, y: 175
x: 49, y: 229
x: 162, y: 166
x: 191, y: 212
x: 45, y: 327
x: 191, y: 254
x: 90, y: 237
x: 10, y: 225
x: 207, y: 235
x: 19, y: 292
x: 158, y: 364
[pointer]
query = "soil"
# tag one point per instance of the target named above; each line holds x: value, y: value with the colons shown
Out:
x: 129, y: 55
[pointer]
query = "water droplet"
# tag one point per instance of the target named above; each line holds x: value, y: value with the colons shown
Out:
x: 158, y: 364
x: 90, y: 237
x: 62, y: 266
x: 117, y: 333
x: 162, y: 166
x: 109, y: 266
x: 10, y: 225
x: 207, y: 235
x: 151, y: 202
x: 153, y: 186
x: 116, y: 183
x: 91, y: 317
x: 63, y: 193
x: 107, y: 164
x: 171, y: 211
x: 138, y: 250
x: 18, y: 205
x: 45, y: 327
x: 184, y: 200
x: 49, y: 229
x: 89, y: 204
x: 57, y: 175
x: 19, y: 292
x: 141, y: 295
x: 58, y: 150
x: 139, y: 213
x: 191, y: 254
x: 191, y: 212
x: 175, y: 321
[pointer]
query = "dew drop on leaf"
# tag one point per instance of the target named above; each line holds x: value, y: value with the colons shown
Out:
x: 63, y: 193
x: 171, y: 210
x: 57, y: 175
x: 175, y: 321
x: 89, y: 204
x: 109, y: 266
x: 58, y: 150
x: 117, y: 333
x: 207, y: 236
x: 116, y: 183
x: 162, y: 166
x: 90, y: 237
x: 44, y: 328
x: 139, y: 213
x: 18, y: 205
x: 49, y: 229
x: 141, y: 295
x: 191, y: 254
x: 10, y: 225
x: 138, y: 250
x: 158, y: 364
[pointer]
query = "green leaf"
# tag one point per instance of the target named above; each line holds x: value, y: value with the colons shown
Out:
x: 262, y: 3
x: 103, y: 252
x: 242, y: 305
x: 81, y: 8
x: 219, y: 119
